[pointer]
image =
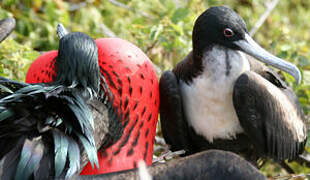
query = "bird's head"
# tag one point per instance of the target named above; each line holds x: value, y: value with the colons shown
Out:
x: 222, y: 26
x: 77, y: 62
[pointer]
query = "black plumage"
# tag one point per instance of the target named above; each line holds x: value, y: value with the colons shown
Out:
x: 209, y: 165
x: 45, y: 127
x: 174, y: 126
x: 276, y: 138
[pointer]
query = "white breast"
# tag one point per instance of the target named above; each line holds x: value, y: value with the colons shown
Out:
x: 208, y: 101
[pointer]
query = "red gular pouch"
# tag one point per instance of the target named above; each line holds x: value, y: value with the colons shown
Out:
x: 133, y: 82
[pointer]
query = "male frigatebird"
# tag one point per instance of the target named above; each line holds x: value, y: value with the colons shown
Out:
x: 44, y: 127
x: 217, y: 98
x: 125, y: 121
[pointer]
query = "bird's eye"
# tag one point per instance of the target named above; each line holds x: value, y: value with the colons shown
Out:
x: 228, y: 32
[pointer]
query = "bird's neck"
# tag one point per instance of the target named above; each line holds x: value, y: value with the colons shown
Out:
x: 134, y: 95
x: 224, y: 64
x: 189, y: 68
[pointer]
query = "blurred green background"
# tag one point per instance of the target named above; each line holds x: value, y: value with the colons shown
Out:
x: 161, y: 28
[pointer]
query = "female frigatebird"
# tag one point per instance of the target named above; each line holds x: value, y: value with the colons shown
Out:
x: 217, y: 98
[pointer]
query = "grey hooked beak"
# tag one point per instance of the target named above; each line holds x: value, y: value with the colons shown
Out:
x: 250, y: 47
x: 61, y: 31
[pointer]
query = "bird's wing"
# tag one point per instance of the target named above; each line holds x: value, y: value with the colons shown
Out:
x: 43, y: 130
x: 7, y: 86
x: 173, y: 124
x: 211, y: 164
x: 269, y: 113
x: 6, y: 27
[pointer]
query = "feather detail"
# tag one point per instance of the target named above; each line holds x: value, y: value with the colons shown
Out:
x: 61, y: 150
x: 74, y: 156
x: 31, y: 155
x: 30, y: 115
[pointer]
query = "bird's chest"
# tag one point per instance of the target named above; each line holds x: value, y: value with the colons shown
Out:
x: 207, y: 100
x: 209, y: 109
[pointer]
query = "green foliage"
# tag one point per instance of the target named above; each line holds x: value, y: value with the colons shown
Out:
x: 15, y: 59
x: 161, y: 28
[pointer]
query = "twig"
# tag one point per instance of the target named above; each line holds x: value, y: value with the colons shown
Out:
x: 286, y: 167
x: 119, y: 4
x: 77, y: 6
x: 289, y: 177
x: 74, y: 7
x: 158, y: 149
x: 159, y: 141
x: 263, y: 18
x: 107, y: 31
x: 7, y: 25
x: 151, y: 46
x: 168, y: 155
x: 177, y: 3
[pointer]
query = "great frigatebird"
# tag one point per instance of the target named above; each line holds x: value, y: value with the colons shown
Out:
x: 217, y: 98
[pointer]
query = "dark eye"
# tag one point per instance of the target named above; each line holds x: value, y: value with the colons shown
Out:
x: 228, y: 32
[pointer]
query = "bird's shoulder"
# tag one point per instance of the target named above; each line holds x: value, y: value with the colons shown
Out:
x: 189, y: 68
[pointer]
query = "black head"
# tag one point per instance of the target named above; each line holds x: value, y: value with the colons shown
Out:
x: 77, y: 62
x: 222, y: 26
x: 217, y: 25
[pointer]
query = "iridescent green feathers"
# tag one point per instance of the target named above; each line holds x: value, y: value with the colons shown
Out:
x: 44, y: 126
x: 46, y: 117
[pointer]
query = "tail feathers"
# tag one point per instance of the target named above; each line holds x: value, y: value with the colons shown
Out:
x: 42, y: 129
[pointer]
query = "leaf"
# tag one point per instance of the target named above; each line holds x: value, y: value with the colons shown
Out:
x: 179, y: 14
x: 303, y: 61
x: 155, y: 32
x: 306, y: 77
